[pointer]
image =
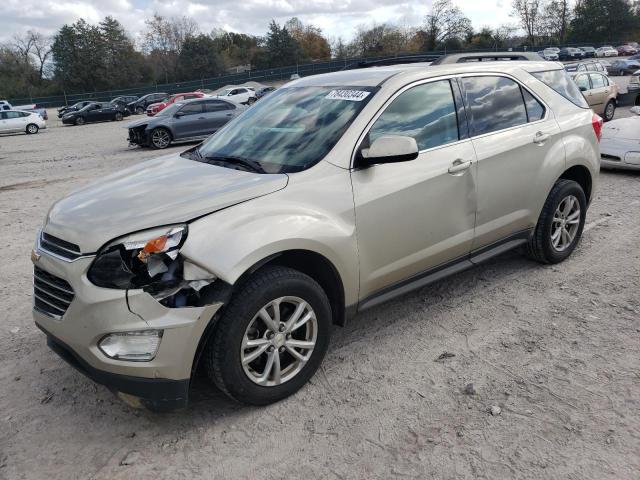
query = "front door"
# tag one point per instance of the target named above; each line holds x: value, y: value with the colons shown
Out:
x: 187, y: 122
x: 414, y: 216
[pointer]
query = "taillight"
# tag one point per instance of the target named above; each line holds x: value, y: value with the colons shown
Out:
x: 596, y: 123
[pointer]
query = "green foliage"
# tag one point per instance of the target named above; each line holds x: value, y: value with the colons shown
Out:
x: 604, y: 21
x: 198, y: 58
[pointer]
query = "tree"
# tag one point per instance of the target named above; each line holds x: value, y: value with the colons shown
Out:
x: 603, y: 21
x: 235, y: 48
x: 313, y: 45
x: 556, y: 16
x: 279, y: 48
x: 444, y: 23
x: 529, y: 15
x: 198, y: 58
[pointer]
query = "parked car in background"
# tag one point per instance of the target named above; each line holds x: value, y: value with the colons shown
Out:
x: 332, y: 195
x: 31, y: 108
x: 242, y: 95
x: 12, y: 121
x: 261, y: 92
x: 586, y: 66
x: 623, y: 67
x: 626, y: 50
x: 549, y: 54
x: 176, y: 97
x: 589, y: 52
x: 73, y: 108
x: 599, y: 91
x: 185, y: 121
x: 122, y: 102
x: 570, y: 53
x: 620, y: 146
x: 606, y: 52
x: 634, y: 82
x: 139, y: 106
x: 94, y: 112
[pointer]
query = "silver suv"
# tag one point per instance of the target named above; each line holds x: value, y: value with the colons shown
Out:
x: 332, y: 195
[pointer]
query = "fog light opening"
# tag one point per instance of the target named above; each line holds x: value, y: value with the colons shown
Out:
x: 138, y: 346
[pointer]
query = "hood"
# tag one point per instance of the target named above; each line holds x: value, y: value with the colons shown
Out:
x: 140, y: 122
x: 622, y: 129
x: 159, y: 192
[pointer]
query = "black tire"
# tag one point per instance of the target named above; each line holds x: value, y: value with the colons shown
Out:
x: 139, y: 110
x: 251, y: 101
x: 223, y: 354
x: 79, y: 121
x: 118, y: 117
x: 540, y: 246
x: 31, y: 129
x: 160, y: 138
x: 609, y: 111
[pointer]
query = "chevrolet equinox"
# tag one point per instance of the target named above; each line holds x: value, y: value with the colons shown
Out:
x: 330, y: 196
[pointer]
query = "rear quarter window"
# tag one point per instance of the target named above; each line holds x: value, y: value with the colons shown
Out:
x: 561, y: 83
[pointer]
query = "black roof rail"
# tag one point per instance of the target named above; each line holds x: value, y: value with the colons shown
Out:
x: 486, y: 57
x: 392, y: 61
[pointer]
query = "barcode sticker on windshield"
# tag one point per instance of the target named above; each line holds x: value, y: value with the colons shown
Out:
x: 352, y: 95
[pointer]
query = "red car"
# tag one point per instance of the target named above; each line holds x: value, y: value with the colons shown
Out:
x: 176, y: 97
x: 626, y: 50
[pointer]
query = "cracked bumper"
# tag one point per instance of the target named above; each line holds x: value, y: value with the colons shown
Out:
x: 96, y: 312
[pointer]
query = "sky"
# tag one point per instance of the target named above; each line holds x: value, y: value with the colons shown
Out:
x: 337, y: 18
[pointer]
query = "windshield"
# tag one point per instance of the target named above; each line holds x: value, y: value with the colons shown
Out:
x: 290, y: 130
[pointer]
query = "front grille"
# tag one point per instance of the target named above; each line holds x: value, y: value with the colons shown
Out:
x: 611, y: 158
x: 52, y: 295
x: 67, y: 250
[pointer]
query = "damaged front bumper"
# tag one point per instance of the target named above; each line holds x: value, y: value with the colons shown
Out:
x: 94, y: 312
x: 138, y: 136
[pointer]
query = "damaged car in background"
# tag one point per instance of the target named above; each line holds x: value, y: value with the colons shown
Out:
x: 620, y: 144
x: 186, y: 121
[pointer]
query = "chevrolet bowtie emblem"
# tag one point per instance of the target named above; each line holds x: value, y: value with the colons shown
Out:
x: 35, y: 256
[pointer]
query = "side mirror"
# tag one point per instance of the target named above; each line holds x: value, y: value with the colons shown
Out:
x: 583, y: 89
x: 179, y: 114
x: 389, y: 149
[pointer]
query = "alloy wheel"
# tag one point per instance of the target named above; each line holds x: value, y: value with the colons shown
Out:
x: 32, y: 129
x: 565, y: 224
x: 279, y: 341
x: 609, y: 111
x: 160, y: 138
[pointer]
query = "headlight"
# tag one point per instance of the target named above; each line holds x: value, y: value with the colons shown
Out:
x: 139, y: 346
x: 140, y: 259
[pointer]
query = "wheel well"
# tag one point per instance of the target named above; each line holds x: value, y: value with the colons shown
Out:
x: 317, y: 267
x: 581, y: 175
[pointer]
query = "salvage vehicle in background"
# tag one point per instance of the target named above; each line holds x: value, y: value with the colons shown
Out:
x: 548, y: 54
x: 139, y: 106
x: 623, y: 67
x: 94, y: 112
x: 186, y: 121
x: 31, y: 108
x: 261, y: 92
x: 177, y: 97
x: 607, y: 51
x: 12, y: 121
x: 242, y: 95
x: 634, y: 82
x: 620, y: 146
x: 330, y: 196
x: 586, y: 66
x: 599, y: 91
x: 73, y: 108
x: 625, y: 50
x: 570, y: 53
x: 589, y: 52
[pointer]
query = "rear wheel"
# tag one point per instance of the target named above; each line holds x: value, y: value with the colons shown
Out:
x: 118, y: 117
x: 160, y: 138
x: 32, y: 128
x: 560, y: 225
x: 609, y: 110
x: 79, y: 121
x: 272, y: 337
x: 139, y: 110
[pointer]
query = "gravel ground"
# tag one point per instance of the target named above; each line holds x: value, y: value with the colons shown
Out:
x: 554, y: 347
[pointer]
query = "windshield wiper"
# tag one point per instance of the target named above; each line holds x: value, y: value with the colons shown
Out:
x: 245, y: 162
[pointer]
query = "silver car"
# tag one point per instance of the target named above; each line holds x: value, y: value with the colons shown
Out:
x: 186, y: 121
x: 330, y: 196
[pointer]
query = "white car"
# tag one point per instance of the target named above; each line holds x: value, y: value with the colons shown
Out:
x: 606, y: 52
x: 549, y: 54
x: 620, y: 144
x: 12, y: 121
x: 243, y: 95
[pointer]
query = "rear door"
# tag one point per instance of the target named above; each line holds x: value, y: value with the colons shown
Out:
x: 516, y: 138
x: 4, y: 125
x: 15, y: 122
x: 217, y: 113
x: 599, y: 92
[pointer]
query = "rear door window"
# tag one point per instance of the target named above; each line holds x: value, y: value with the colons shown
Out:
x: 425, y: 112
x: 561, y: 83
x: 582, y: 81
x: 191, y: 108
x: 598, y: 81
x: 217, y: 106
x: 494, y: 103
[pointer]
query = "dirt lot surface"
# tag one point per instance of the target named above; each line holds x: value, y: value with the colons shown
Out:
x: 556, y: 348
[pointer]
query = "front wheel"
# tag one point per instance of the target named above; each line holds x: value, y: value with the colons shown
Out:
x: 272, y: 337
x: 79, y: 121
x: 32, y: 128
x: 560, y: 225
x: 118, y: 117
x: 139, y: 110
x: 160, y: 138
x: 609, y: 110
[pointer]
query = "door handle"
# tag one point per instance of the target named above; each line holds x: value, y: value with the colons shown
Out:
x: 459, y: 166
x: 229, y: 114
x: 201, y: 118
x: 540, y: 138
